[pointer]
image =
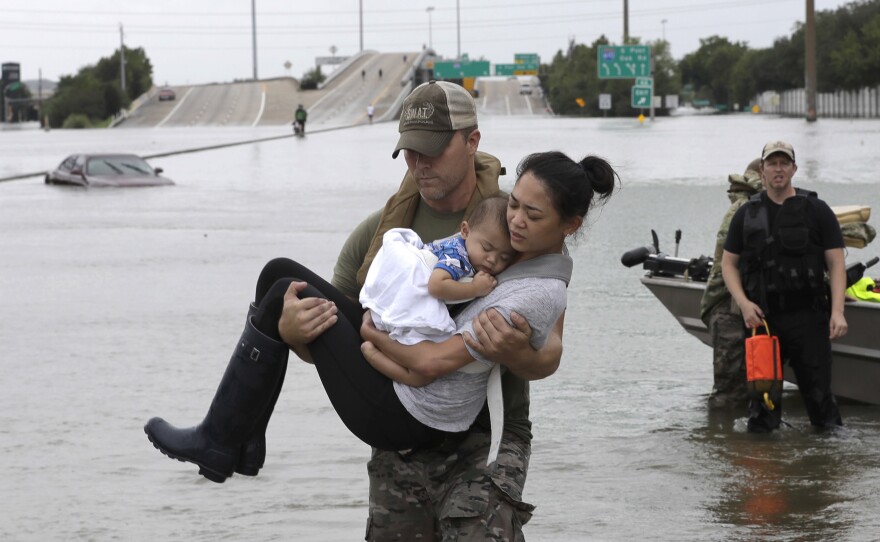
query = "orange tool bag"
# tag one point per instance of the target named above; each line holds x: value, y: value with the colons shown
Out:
x: 763, y: 364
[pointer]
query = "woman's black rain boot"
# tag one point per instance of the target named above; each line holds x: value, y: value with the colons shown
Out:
x: 245, y: 393
x: 253, y: 452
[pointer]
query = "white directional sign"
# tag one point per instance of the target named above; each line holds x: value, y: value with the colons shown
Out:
x: 324, y: 60
x: 604, y: 101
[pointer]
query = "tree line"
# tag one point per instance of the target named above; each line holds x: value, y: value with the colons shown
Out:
x: 724, y: 73
x: 94, y: 94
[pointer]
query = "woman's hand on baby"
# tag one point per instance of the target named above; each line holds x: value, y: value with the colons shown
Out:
x: 484, y: 283
x: 497, y: 340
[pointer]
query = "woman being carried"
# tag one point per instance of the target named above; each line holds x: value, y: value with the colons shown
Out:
x: 550, y: 200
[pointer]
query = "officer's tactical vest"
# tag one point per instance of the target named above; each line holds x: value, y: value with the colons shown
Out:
x: 785, y: 259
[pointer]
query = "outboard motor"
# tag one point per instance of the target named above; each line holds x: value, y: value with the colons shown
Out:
x: 638, y: 255
x: 660, y: 264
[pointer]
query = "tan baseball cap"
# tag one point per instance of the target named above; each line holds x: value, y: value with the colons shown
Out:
x: 431, y: 115
x: 777, y: 146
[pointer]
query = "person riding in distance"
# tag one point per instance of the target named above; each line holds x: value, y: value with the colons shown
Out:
x: 299, y: 117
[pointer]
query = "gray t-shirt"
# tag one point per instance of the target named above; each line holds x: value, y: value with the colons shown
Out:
x: 452, y: 402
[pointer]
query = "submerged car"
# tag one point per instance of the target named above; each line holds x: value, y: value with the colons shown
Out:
x: 166, y: 94
x: 115, y: 170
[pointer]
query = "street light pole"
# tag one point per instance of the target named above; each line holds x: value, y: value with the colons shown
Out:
x: 121, y: 59
x: 429, y: 9
x: 663, y: 22
x: 254, y: 33
x: 361, y: 19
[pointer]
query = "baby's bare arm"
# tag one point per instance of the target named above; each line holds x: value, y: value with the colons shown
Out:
x: 442, y: 286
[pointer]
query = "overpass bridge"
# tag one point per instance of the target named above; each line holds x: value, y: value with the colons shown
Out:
x: 341, y: 101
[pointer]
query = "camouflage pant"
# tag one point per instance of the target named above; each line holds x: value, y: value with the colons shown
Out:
x: 448, y: 494
x: 728, y: 351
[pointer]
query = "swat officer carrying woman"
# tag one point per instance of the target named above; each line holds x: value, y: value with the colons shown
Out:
x: 778, y: 250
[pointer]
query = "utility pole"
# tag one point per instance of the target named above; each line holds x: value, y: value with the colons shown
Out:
x: 361, y: 15
x: 40, y: 96
x: 458, y: 28
x: 429, y: 9
x: 810, y: 61
x: 625, y: 22
x: 254, y: 33
x: 121, y: 59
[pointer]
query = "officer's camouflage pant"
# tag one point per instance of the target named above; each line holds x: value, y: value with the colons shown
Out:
x: 448, y: 494
x: 728, y: 352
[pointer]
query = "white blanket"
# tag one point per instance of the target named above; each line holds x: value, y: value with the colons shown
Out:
x: 396, y: 291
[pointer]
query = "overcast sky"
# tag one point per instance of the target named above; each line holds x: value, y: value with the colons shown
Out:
x: 203, y: 41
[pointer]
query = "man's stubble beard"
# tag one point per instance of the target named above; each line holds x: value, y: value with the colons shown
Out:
x: 437, y: 192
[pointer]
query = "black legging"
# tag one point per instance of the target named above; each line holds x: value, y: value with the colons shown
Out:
x: 363, y: 397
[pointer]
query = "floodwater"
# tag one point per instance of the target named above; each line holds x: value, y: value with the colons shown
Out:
x: 119, y: 305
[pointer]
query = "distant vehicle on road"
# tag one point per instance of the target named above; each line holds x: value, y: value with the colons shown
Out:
x: 525, y: 88
x: 106, y: 170
x: 166, y: 94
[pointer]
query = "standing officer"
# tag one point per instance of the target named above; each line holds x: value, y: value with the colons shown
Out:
x: 718, y: 310
x: 777, y: 252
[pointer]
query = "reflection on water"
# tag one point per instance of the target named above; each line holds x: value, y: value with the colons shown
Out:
x: 124, y: 304
x: 787, y: 486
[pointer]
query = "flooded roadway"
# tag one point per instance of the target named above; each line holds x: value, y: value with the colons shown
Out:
x: 119, y: 305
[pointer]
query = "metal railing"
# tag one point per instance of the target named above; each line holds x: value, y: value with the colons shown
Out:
x: 849, y: 104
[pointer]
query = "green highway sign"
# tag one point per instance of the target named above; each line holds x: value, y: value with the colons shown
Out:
x: 647, y: 82
x: 516, y: 69
x: 624, y: 62
x: 641, y: 97
x: 459, y: 69
x: 505, y: 69
x: 526, y: 58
